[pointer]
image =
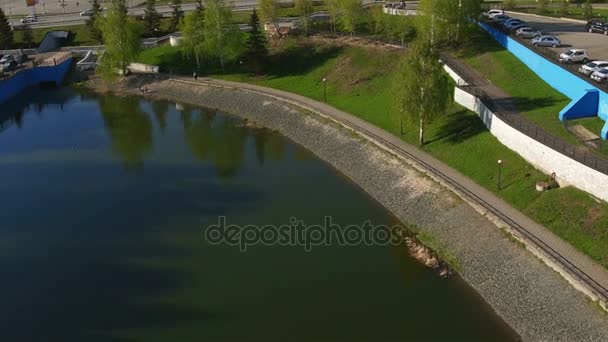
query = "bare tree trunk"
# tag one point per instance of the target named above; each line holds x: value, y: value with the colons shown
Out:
x: 421, y: 131
x: 198, y: 63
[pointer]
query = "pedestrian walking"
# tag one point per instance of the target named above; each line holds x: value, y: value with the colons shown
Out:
x: 194, y: 75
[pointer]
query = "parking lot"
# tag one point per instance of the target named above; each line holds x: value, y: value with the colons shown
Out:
x: 572, y: 34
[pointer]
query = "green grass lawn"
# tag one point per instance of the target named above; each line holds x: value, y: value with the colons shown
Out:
x: 80, y: 32
x: 359, y: 82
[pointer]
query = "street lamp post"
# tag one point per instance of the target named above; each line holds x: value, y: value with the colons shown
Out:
x: 499, y: 167
x: 324, y: 89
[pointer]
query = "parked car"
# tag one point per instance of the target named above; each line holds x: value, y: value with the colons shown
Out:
x: 516, y: 26
x: 8, y: 66
x: 528, y: 32
x: 29, y: 19
x: 6, y: 59
x: 546, y: 41
x: 574, y: 56
x: 595, y: 25
x: 20, y: 58
x: 500, y: 18
x: 592, y: 67
x: 86, y: 13
x: 600, y: 75
x: 493, y: 12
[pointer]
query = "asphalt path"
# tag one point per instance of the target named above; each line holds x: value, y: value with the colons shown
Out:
x: 571, y: 33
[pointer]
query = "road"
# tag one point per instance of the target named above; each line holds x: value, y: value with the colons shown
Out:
x: 571, y: 33
x: 55, y: 17
x: 74, y: 18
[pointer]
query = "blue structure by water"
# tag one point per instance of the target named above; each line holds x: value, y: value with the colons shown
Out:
x: 587, y: 100
x: 32, y: 77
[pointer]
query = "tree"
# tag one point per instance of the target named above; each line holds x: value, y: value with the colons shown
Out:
x: 422, y: 90
x: 304, y: 8
x: 269, y: 11
x: 564, y: 8
x: 350, y: 14
x: 256, y: 44
x: 28, y: 36
x: 223, y: 38
x: 92, y: 22
x: 121, y: 36
x: 176, y: 15
x: 447, y: 22
x: 333, y: 8
x: 200, y: 8
x: 542, y: 6
x: 193, y: 33
x: 377, y: 19
x: 588, y: 9
x: 151, y: 19
x: 6, y: 32
x: 508, y: 4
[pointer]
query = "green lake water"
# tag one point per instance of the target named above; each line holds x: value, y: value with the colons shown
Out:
x: 105, y: 201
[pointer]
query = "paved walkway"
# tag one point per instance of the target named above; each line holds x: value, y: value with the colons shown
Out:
x: 587, y: 274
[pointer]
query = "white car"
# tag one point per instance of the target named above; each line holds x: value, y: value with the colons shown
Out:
x: 493, y: 12
x: 29, y: 19
x: 600, y: 76
x: 87, y: 13
x: 528, y: 32
x: 592, y: 67
x: 6, y: 59
x: 574, y: 56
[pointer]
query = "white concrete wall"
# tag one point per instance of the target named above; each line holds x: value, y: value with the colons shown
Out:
x: 567, y: 170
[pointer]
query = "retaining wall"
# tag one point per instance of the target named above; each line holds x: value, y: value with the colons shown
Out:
x: 557, y: 77
x: 32, y: 77
x: 544, y: 158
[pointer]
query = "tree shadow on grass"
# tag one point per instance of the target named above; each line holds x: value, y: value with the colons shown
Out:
x: 459, y: 127
x: 525, y: 104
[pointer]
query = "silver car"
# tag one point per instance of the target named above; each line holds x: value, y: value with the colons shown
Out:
x: 549, y: 41
x: 600, y: 76
x: 528, y: 32
x: 592, y: 67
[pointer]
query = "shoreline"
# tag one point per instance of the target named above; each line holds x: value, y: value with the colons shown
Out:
x: 511, y: 280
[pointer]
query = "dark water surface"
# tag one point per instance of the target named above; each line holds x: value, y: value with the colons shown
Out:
x: 104, y: 205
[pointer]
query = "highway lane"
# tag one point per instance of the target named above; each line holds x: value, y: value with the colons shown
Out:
x: 571, y: 33
x: 74, y: 18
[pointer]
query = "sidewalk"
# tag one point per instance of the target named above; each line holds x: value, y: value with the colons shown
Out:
x: 577, y: 268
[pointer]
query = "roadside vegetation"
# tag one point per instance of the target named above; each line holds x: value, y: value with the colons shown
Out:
x: 358, y: 74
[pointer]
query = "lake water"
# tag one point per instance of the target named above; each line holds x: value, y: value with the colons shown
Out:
x: 105, y: 201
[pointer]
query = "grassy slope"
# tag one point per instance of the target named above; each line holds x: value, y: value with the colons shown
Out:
x: 359, y: 82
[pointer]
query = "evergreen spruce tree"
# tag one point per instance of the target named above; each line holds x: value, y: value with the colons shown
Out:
x: 6, y: 32
x: 93, y: 21
x: 151, y: 19
x: 177, y: 15
x: 256, y: 44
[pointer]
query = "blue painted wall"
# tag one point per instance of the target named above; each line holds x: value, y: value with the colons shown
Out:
x: 583, y: 107
x: 560, y: 79
x: 31, y: 77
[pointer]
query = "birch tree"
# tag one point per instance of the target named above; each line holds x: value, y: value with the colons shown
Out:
x: 223, y: 38
x: 193, y: 33
x: 422, y: 90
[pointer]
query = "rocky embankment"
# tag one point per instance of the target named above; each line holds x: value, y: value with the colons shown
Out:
x: 530, y: 297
